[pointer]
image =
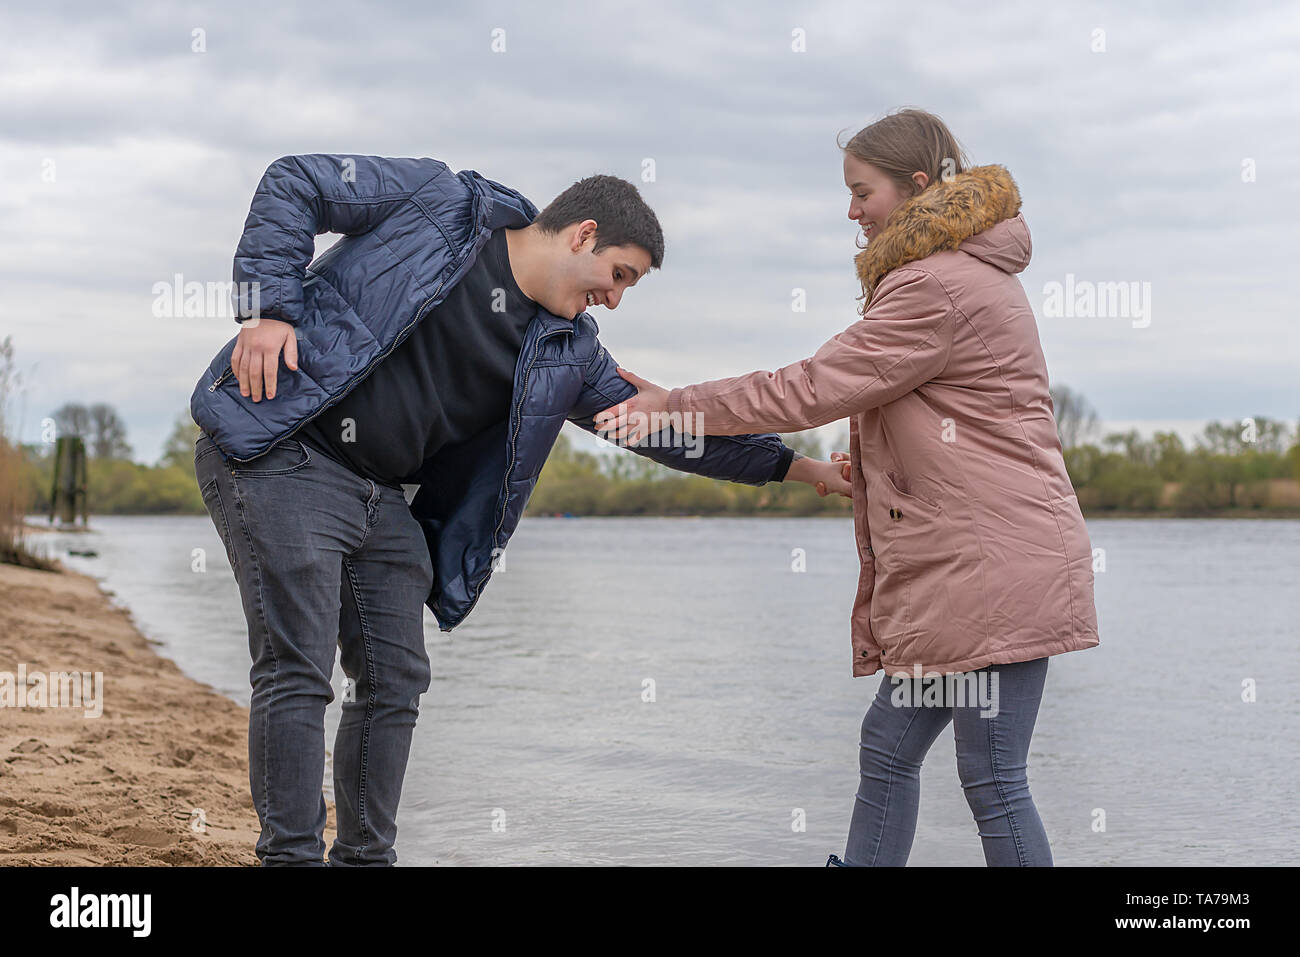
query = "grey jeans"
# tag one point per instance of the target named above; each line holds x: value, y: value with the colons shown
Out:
x: 323, y: 558
x: 992, y: 755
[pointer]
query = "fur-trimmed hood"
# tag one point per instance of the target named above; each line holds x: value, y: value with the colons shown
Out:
x: 977, y: 210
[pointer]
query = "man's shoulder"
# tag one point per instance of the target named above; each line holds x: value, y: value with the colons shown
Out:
x: 580, y: 347
x: 586, y: 338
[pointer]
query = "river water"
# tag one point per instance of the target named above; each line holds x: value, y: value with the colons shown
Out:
x: 538, y: 719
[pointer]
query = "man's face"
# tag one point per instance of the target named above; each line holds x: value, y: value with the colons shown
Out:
x: 597, y: 279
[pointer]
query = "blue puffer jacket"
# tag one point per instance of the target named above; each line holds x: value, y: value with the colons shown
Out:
x: 411, y: 229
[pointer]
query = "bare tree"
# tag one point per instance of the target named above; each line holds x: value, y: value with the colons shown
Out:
x: 71, y: 418
x: 107, y: 433
x: 1076, y: 420
x: 99, y: 426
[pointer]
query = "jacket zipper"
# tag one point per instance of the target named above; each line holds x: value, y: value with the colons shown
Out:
x: 222, y: 378
x: 396, y: 342
x: 510, y: 466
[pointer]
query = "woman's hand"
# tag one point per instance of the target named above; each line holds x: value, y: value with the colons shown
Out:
x: 635, y: 418
x: 826, y: 477
x: 841, y: 461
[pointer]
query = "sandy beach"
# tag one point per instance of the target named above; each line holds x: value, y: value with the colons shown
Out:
x: 159, y: 777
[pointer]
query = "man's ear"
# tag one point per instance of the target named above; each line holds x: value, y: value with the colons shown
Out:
x: 582, y: 232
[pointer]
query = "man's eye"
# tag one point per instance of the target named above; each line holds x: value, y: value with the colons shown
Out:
x: 618, y: 276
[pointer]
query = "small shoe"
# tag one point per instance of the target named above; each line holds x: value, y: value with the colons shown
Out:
x: 834, y: 861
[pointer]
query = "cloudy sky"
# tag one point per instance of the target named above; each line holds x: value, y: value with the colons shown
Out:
x: 1158, y: 146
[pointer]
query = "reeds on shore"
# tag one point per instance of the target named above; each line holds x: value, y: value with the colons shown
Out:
x: 15, y: 493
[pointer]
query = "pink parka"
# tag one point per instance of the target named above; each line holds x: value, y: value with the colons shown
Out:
x: 973, y: 549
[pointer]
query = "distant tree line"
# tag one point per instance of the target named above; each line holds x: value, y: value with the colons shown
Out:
x: 1250, y: 465
x: 116, y: 485
x: 1246, y: 467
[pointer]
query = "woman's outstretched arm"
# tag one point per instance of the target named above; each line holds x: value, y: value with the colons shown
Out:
x: 901, y: 342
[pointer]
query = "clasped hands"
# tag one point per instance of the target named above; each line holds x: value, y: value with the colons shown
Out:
x: 630, y: 421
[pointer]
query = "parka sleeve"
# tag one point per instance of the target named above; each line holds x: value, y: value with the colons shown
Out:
x: 901, y: 342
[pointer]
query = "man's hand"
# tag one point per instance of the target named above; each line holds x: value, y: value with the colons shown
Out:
x: 826, y: 477
x: 256, y: 358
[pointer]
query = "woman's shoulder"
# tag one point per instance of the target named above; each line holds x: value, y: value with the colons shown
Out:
x: 981, y: 263
x: 931, y: 278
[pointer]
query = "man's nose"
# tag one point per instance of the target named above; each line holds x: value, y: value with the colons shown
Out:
x: 611, y: 300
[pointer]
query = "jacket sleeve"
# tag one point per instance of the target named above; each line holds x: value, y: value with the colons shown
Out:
x: 745, y: 459
x: 901, y: 342
x: 302, y: 196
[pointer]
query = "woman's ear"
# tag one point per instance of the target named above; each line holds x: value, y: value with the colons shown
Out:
x: 921, y: 180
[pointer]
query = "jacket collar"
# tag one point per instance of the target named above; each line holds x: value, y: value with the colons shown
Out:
x: 939, y: 218
x: 495, y: 206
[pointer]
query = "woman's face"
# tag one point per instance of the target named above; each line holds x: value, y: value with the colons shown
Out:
x: 874, y: 194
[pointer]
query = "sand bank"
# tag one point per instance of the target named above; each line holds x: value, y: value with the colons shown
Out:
x: 159, y: 777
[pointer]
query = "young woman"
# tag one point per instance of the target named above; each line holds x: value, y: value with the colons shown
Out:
x: 975, y: 560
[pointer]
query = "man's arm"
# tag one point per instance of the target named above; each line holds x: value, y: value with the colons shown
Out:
x: 746, y: 459
x: 300, y: 197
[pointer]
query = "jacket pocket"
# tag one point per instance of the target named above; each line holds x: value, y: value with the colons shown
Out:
x: 907, y: 531
x: 896, y: 485
x: 286, y: 456
x: 222, y: 378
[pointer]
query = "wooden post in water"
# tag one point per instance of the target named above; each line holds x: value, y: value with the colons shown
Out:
x: 68, y: 496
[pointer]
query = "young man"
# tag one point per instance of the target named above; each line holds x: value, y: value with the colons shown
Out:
x: 442, y: 342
